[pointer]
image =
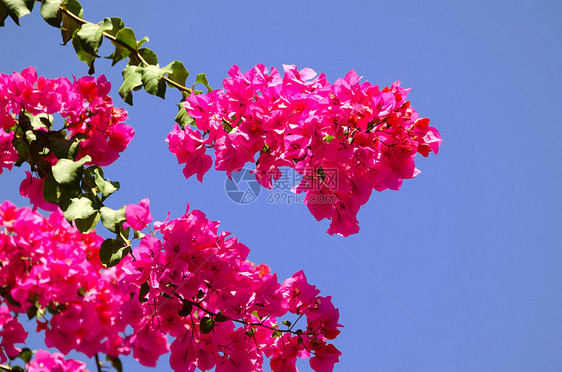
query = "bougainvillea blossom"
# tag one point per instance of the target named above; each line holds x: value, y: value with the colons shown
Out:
x: 90, y: 119
x: 345, y: 139
x: 43, y: 361
x: 191, y: 292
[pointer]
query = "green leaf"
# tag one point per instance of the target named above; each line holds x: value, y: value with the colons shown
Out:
x: 69, y: 24
x: 116, y: 363
x: 131, y: 81
x: 186, y: 308
x: 153, y: 82
x: 79, y: 208
x: 90, y: 37
x: 328, y: 139
x: 221, y: 318
x: 117, y: 25
x: 74, y: 7
x: 39, y: 121
x: 251, y: 332
x: 3, y: 14
x: 182, y: 118
x: 51, y: 190
x: 26, y: 354
x: 202, y: 79
x: 277, y: 333
x: 112, y: 219
x: 50, y: 11
x: 142, y: 41
x: 22, y: 147
x: 17, y: 8
x: 65, y: 148
x: 144, y: 289
x: 30, y: 136
x: 87, y: 225
x: 83, y: 54
x: 31, y: 312
x: 126, y: 41
x: 176, y: 72
x: 106, y: 25
x: 207, y: 324
x: 67, y: 171
x: 112, y: 251
x: 286, y: 322
x: 59, y: 144
x: 106, y: 187
x: 149, y: 56
x: 66, y: 196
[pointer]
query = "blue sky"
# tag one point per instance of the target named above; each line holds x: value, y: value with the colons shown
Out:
x: 457, y: 271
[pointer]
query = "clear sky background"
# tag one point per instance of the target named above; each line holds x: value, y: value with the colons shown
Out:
x: 458, y: 271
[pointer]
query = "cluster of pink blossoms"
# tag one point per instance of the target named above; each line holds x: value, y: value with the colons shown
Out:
x: 11, y: 333
x: 197, y: 286
x: 194, y: 285
x: 345, y: 139
x: 84, y: 104
x: 49, y: 267
x: 45, y: 362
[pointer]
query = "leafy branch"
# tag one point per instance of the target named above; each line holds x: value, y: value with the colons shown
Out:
x: 78, y: 190
x: 142, y: 70
x: 208, y: 322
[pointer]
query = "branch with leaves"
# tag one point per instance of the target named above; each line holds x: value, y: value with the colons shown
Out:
x: 142, y: 70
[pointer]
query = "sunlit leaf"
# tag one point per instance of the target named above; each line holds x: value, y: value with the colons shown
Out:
x: 152, y: 81
x: 131, y: 81
x: 50, y: 11
x: 17, y: 8
x: 149, y: 56
x: 111, y: 219
x: 79, y: 208
x: 202, y: 79
x: 67, y: 171
x: 176, y: 72
x: 112, y: 251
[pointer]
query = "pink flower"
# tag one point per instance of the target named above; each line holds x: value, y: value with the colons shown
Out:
x: 370, y: 135
x: 190, y: 149
x: 45, y: 362
x: 11, y: 332
x: 193, y: 285
x: 323, y: 315
x: 32, y: 188
x: 138, y: 215
x: 325, y: 358
x: 8, y: 154
x: 299, y: 294
x: 148, y: 344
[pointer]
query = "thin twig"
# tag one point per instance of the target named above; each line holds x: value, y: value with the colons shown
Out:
x: 98, y: 364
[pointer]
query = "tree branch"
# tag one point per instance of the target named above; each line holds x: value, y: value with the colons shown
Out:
x: 117, y: 41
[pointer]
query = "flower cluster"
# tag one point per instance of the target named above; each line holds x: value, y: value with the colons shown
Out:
x: 345, y: 139
x: 45, y: 362
x: 47, y: 267
x: 194, y: 284
x: 90, y: 118
x: 197, y: 286
x: 11, y: 333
